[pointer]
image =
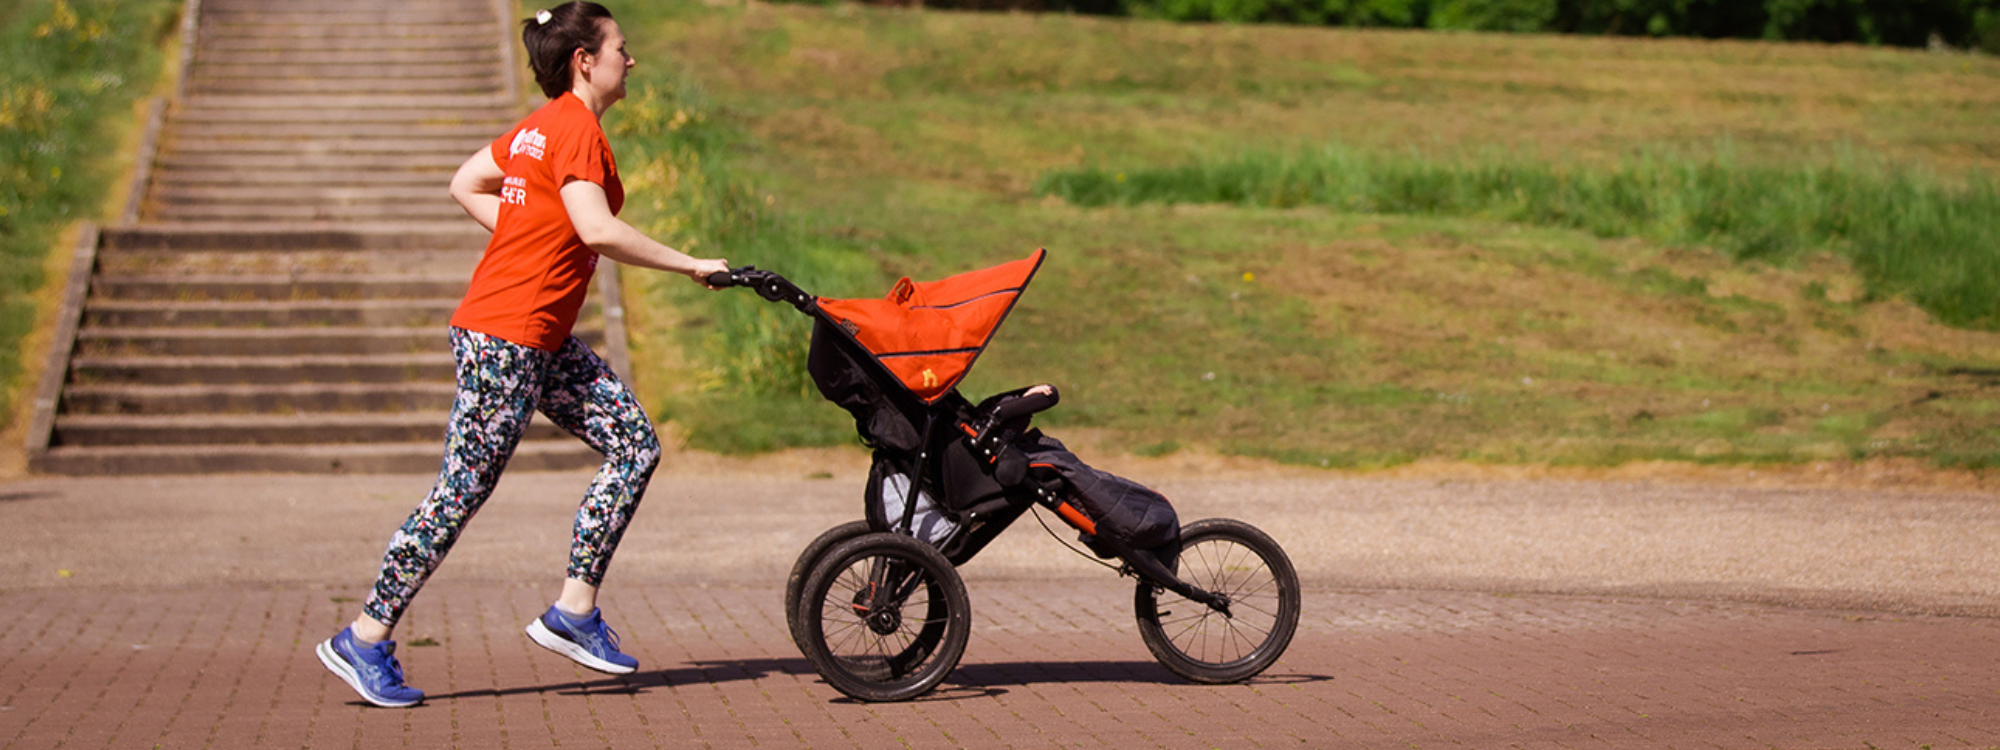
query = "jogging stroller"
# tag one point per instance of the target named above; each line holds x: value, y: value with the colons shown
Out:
x: 877, y: 604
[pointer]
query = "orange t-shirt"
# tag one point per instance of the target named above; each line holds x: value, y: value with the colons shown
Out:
x: 531, y: 281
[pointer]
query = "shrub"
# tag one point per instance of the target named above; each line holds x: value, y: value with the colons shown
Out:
x: 1523, y: 16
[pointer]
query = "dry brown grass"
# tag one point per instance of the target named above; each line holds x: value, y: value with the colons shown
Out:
x: 1162, y: 87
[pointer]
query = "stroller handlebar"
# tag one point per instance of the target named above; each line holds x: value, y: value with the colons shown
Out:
x: 1026, y: 404
x: 768, y: 285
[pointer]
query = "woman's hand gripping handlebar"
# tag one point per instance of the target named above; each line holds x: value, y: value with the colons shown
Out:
x: 767, y: 284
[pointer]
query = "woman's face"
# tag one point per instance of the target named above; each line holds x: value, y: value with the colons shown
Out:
x: 604, y: 72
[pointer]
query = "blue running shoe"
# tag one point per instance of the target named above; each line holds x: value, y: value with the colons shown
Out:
x: 588, y: 641
x: 372, y: 670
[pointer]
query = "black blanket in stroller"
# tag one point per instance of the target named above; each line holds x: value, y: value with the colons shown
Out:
x: 1127, y: 511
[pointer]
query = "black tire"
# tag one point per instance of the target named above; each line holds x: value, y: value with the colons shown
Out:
x: 1232, y: 558
x: 796, y: 582
x: 856, y: 631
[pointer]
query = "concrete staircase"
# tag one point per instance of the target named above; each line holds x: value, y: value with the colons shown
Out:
x: 280, y: 302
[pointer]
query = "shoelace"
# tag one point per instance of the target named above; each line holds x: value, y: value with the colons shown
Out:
x: 390, y: 666
x: 600, y: 634
x: 395, y: 667
x: 613, y: 634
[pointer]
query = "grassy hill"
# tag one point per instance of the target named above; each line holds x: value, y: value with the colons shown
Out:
x: 848, y: 145
x: 70, y: 74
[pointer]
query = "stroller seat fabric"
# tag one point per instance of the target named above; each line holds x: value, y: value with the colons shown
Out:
x: 880, y: 420
x: 889, y: 495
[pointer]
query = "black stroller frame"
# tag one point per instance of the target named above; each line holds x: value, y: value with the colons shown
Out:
x: 850, y: 597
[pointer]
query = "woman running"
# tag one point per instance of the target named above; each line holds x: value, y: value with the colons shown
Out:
x: 549, y: 191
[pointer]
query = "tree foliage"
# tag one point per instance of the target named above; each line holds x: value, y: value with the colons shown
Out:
x: 1905, y: 23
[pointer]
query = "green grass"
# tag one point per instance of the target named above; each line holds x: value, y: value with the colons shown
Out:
x: 1566, y: 303
x: 1910, y: 233
x: 69, y: 73
x: 744, y: 395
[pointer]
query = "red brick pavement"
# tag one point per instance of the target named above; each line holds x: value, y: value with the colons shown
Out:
x: 1050, y: 665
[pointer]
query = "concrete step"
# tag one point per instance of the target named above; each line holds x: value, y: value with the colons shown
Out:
x: 201, y: 195
x: 257, y: 342
x: 452, y: 66
x: 387, y: 313
x: 433, y: 209
x: 449, y: 264
x: 310, y: 104
x: 472, y: 132
x: 462, y: 234
x: 296, y: 288
x: 496, y: 118
x: 413, y: 13
x: 364, y: 17
x: 317, y: 27
x: 245, y: 195
x: 357, y: 144
x: 348, y: 43
x: 352, y: 85
x: 323, y: 368
x: 405, y: 162
x: 435, y: 179
x: 283, y: 398
x: 409, y: 56
x: 325, y: 6
x: 274, y: 342
x: 417, y: 457
x: 360, y: 120
x: 264, y: 429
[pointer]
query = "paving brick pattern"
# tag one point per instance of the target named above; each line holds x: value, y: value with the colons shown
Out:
x: 1051, y: 664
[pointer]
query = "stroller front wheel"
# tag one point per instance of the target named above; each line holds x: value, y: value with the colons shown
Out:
x: 885, y: 617
x: 1256, y: 580
x: 802, y: 569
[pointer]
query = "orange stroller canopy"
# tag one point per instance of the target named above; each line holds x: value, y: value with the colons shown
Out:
x: 928, y: 334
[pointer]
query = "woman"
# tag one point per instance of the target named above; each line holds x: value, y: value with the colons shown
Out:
x: 549, y: 192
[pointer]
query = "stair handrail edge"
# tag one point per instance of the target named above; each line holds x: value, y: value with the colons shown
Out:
x: 69, y: 318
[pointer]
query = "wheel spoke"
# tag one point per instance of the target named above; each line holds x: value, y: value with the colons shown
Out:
x: 1231, y: 560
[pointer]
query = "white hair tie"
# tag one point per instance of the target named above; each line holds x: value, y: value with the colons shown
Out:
x: 543, y: 16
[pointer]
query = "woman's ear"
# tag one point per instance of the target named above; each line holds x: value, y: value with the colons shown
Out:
x: 578, y: 64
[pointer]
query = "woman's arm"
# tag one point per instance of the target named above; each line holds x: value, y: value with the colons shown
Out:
x: 476, y: 187
x: 590, y: 214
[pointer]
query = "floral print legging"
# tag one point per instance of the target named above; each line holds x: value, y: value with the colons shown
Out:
x: 500, y: 386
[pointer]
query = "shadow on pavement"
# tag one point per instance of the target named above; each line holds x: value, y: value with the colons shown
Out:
x: 710, y: 672
x: 1029, y: 673
x: 968, y: 681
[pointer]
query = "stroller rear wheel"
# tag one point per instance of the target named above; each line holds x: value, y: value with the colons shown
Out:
x: 884, y: 617
x: 803, y: 569
x: 1236, y: 560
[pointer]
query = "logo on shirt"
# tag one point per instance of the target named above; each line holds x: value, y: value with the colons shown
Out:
x: 530, y: 142
x: 514, y: 190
